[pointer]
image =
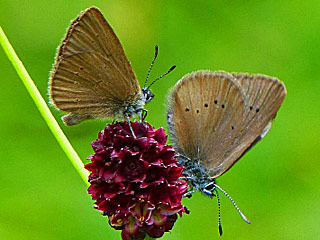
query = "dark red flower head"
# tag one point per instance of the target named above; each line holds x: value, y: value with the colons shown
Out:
x: 135, y: 181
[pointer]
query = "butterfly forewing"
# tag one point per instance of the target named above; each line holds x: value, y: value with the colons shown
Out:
x: 89, y: 90
x: 205, y: 115
x: 92, y: 75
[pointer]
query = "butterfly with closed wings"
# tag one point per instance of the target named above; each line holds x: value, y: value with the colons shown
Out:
x: 92, y: 77
x: 215, y: 118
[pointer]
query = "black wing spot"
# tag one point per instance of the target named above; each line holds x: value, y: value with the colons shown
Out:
x: 198, y: 110
x: 81, y: 68
x: 215, y: 101
x: 222, y: 105
x: 206, y: 105
x: 258, y: 109
x: 232, y: 127
x: 251, y: 107
x: 187, y: 109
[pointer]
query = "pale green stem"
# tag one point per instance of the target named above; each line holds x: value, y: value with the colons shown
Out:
x: 43, y: 108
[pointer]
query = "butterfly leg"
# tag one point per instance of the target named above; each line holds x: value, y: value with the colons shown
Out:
x: 186, y: 178
x: 189, y: 193
x: 131, y: 129
x: 143, y: 115
x: 127, y: 115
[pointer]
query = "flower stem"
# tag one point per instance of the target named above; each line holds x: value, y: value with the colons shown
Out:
x: 43, y: 108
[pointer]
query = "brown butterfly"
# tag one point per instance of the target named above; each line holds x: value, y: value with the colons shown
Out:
x: 215, y: 118
x: 92, y: 77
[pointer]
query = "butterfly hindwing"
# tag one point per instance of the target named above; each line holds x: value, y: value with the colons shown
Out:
x: 263, y: 98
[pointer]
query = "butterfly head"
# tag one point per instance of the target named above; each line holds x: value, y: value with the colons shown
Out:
x: 208, y: 189
x: 148, y: 95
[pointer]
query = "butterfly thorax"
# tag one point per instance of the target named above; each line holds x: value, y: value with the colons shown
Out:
x: 136, y: 106
x: 197, y: 176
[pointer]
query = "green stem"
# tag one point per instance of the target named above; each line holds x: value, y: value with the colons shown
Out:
x: 43, y: 108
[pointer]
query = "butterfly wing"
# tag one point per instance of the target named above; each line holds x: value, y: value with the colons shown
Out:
x: 224, y: 130
x: 92, y: 75
x: 263, y: 97
x: 205, y: 116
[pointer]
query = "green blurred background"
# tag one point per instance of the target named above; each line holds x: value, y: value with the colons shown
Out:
x: 276, y: 184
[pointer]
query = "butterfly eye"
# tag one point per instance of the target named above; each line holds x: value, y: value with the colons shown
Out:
x: 148, y: 94
x: 209, y: 188
x: 149, y: 97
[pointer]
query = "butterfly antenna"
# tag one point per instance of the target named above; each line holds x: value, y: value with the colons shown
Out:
x: 154, y: 59
x: 173, y: 67
x: 234, y: 204
x: 219, y: 219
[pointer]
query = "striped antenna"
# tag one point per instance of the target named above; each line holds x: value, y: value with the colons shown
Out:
x: 173, y: 67
x: 219, y: 220
x: 154, y: 59
x: 234, y: 204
